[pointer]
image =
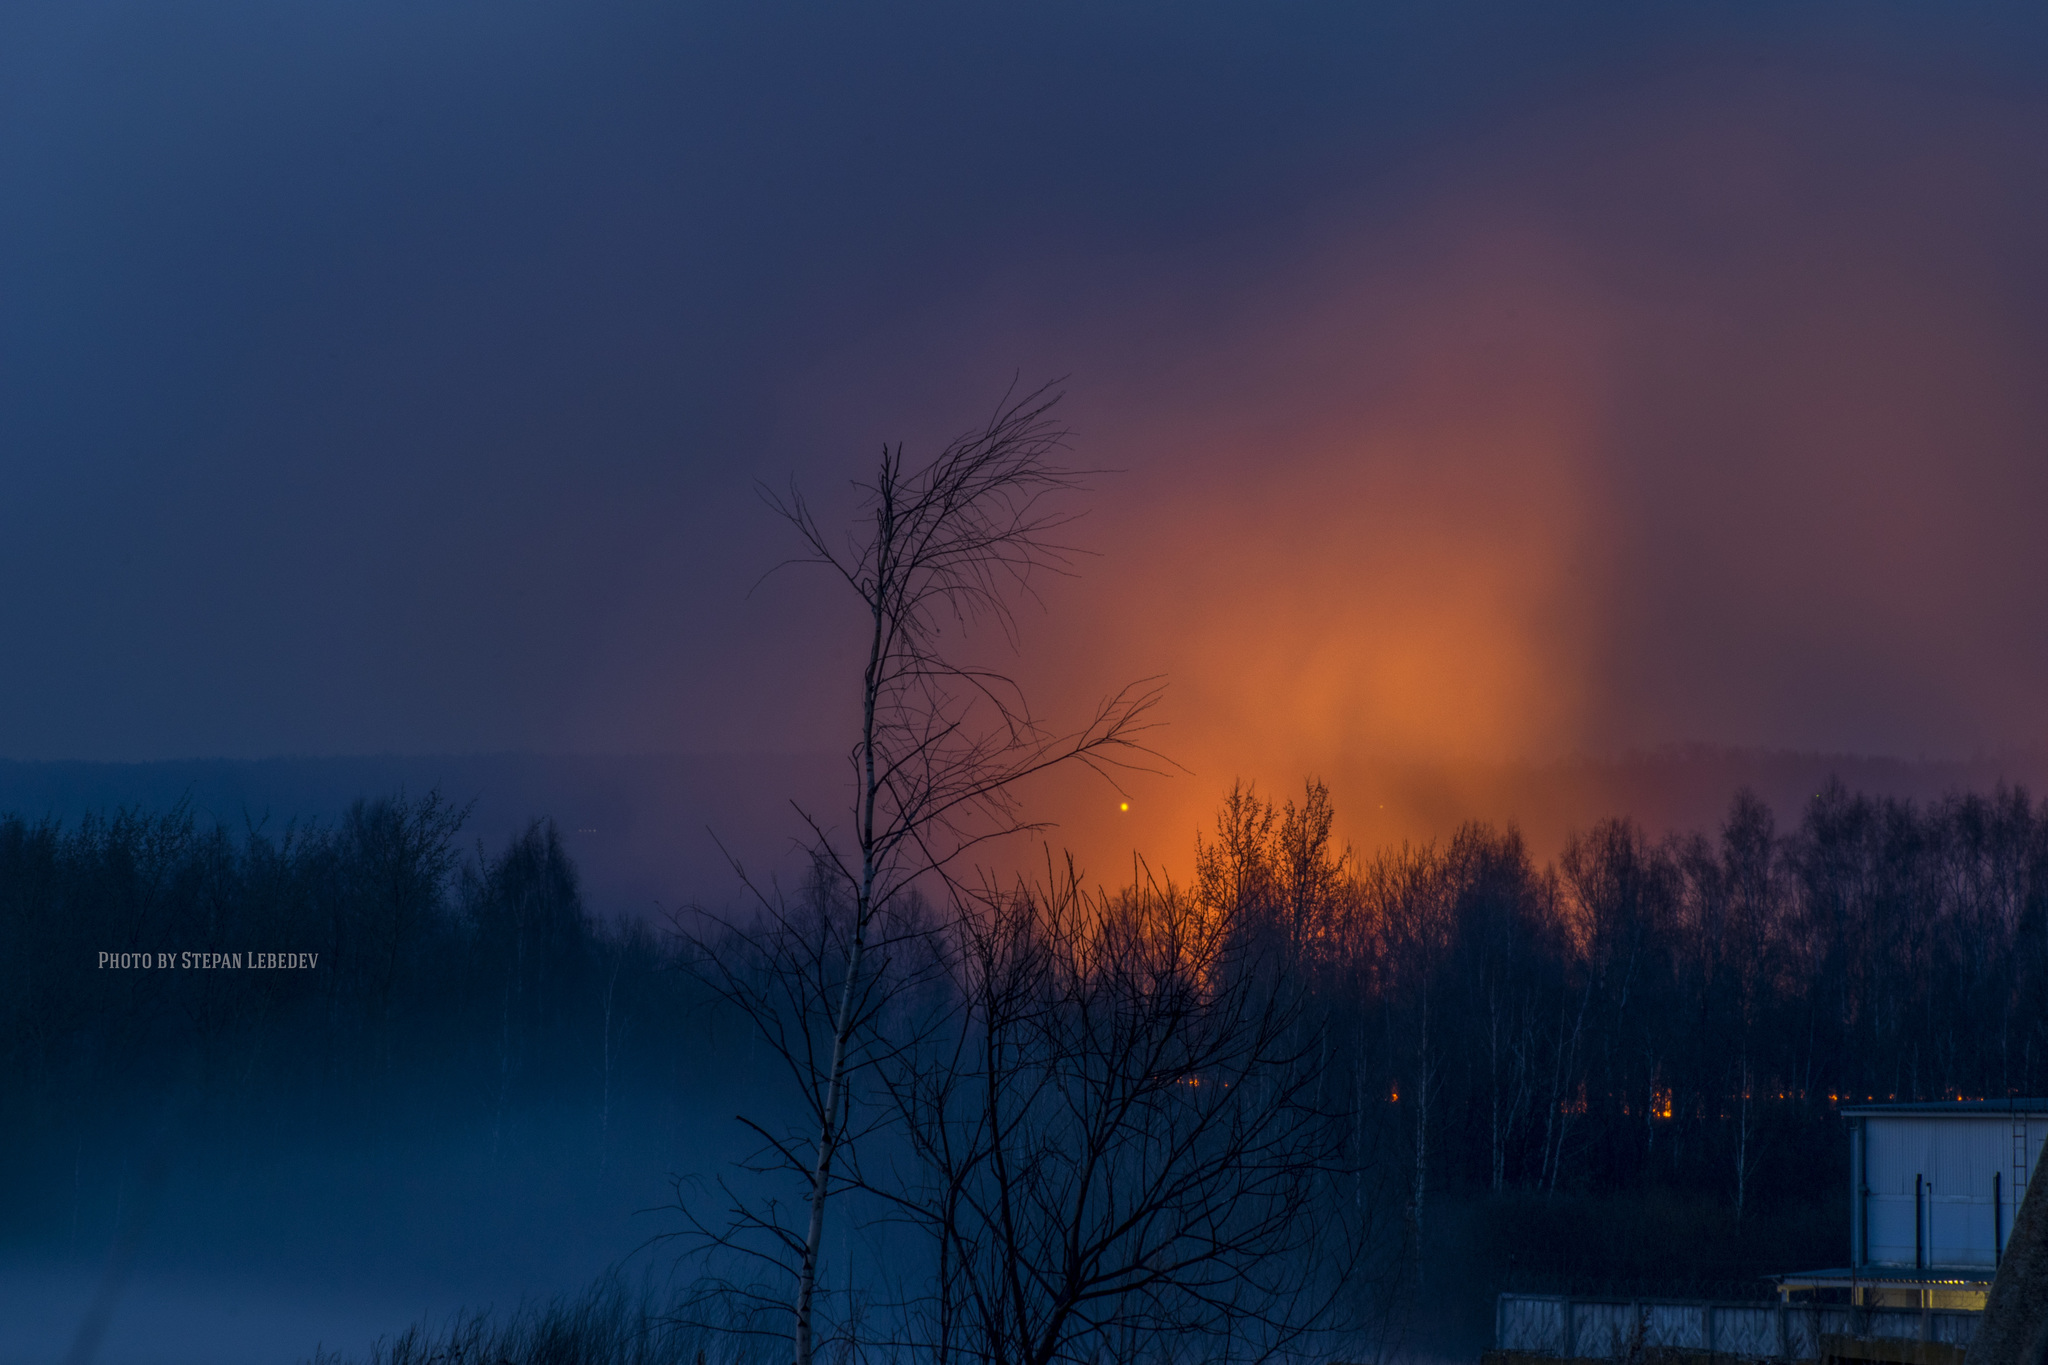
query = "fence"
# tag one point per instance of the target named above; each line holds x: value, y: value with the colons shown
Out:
x: 1557, y: 1325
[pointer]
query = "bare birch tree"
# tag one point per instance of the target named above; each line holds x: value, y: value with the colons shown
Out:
x: 940, y: 556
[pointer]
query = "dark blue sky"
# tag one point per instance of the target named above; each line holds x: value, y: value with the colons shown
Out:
x: 1486, y: 377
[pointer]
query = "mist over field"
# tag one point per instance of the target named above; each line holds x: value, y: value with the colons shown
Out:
x: 471, y: 1102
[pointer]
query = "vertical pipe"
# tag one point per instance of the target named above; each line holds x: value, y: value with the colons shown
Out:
x: 1919, y: 1252
x: 1859, y: 1194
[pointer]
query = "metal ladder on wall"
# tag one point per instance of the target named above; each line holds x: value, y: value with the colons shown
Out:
x: 2001, y: 1226
x: 2019, y: 1172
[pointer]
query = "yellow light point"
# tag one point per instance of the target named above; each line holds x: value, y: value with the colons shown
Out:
x: 1125, y: 806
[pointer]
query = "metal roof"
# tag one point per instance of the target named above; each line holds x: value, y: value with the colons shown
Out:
x: 1980, y: 1109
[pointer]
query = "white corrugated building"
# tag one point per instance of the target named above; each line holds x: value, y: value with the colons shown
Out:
x: 1932, y: 1192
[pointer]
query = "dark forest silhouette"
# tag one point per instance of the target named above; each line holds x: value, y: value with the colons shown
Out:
x: 1653, y: 1036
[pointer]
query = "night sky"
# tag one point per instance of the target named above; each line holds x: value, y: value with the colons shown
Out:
x: 1482, y: 380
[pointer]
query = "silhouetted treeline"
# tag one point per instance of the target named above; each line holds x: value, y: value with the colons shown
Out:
x: 1680, y: 1015
x: 450, y: 981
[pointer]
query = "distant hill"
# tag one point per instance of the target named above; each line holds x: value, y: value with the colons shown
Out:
x: 1674, y: 789
x: 641, y: 827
